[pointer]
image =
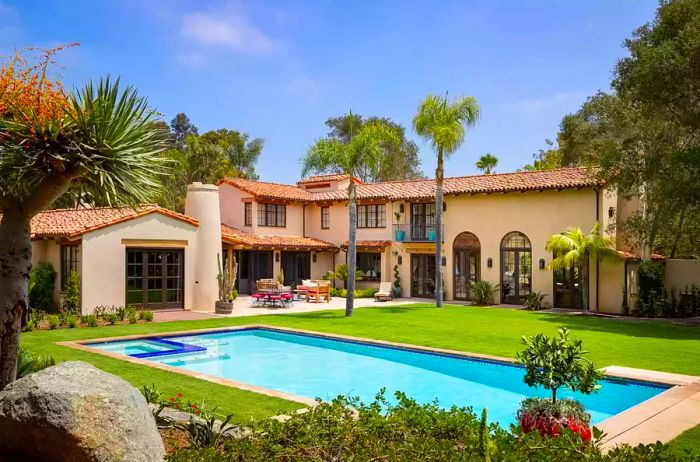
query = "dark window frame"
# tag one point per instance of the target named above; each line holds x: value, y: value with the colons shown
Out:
x: 375, y: 257
x: 248, y: 214
x: 272, y: 215
x: 325, y: 217
x: 70, y: 261
x: 371, y: 216
x: 165, y: 276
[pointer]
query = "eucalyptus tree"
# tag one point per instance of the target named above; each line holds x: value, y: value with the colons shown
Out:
x: 443, y: 122
x: 487, y: 163
x: 573, y: 247
x: 363, y: 149
x: 101, y: 136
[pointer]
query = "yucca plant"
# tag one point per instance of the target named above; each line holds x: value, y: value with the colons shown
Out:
x: 99, y: 141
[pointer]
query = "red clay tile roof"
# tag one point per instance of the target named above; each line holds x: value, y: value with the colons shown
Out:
x: 369, y: 244
x: 632, y: 256
x: 71, y: 223
x: 539, y: 180
x: 326, y: 178
x: 236, y: 236
x: 264, y: 190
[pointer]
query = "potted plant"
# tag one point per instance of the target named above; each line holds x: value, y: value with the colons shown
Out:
x: 226, y: 278
x: 399, y: 234
x: 552, y: 363
x: 396, y: 291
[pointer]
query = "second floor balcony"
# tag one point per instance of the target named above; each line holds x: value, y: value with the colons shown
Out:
x: 416, y: 232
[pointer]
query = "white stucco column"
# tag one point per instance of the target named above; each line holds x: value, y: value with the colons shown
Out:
x: 202, y: 203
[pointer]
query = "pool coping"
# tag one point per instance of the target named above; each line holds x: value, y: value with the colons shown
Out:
x: 660, y: 418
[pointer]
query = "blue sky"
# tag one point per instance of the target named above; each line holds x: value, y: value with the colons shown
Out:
x: 278, y: 70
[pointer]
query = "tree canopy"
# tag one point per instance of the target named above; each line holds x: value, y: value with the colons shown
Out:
x: 399, y: 162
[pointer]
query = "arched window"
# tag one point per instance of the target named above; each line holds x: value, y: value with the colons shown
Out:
x: 516, y: 267
x: 467, y: 263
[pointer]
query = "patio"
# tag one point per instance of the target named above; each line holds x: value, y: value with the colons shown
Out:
x: 243, y: 307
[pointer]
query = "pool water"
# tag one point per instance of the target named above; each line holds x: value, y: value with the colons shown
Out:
x: 316, y: 367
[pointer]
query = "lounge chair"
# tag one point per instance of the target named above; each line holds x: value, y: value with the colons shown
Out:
x: 319, y: 290
x: 384, y: 293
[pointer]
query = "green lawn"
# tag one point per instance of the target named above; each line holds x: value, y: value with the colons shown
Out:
x: 643, y: 344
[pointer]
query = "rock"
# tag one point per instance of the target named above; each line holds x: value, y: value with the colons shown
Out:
x: 76, y: 412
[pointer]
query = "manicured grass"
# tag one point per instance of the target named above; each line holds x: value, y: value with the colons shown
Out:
x: 688, y: 440
x: 642, y: 344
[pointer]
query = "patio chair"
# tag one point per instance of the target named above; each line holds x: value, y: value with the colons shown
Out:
x: 319, y: 289
x: 384, y: 293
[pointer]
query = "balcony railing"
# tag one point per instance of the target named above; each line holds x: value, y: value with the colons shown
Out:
x: 416, y: 232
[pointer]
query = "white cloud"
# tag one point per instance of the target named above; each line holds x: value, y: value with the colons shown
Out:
x: 226, y: 30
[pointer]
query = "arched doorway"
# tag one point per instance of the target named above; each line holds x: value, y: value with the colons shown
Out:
x: 516, y: 268
x: 467, y: 263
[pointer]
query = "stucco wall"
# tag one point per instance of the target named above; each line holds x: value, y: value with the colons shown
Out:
x: 682, y: 273
x: 340, y: 223
x: 611, y: 285
x: 103, y: 265
x: 232, y: 208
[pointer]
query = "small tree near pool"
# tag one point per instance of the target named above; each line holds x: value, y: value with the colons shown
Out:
x: 553, y: 363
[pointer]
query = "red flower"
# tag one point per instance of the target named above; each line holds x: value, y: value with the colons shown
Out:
x: 172, y: 398
x: 179, y: 395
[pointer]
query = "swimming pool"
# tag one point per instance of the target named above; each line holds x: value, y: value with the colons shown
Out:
x: 312, y: 366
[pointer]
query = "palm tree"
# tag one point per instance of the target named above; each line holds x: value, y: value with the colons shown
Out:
x: 101, y: 137
x: 443, y: 123
x: 574, y: 247
x: 486, y: 163
x: 363, y: 150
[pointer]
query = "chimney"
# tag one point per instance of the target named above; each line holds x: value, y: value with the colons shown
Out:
x: 202, y: 203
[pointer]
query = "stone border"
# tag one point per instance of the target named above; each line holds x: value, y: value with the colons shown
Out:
x: 660, y: 418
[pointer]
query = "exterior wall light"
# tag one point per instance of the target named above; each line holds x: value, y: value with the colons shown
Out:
x: 541, y: 263
x: 444, y: 261
x: 444, y: 206
x: 313, y: 257
x: 400, y: 260
x: 489, y: 262
x: 277, y: 257
x: 401, y: 208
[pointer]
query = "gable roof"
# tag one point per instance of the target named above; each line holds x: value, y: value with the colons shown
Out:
x: 536, y: 180
x: 265, y: 190
x: 232, y: 235
x: 71, y: 223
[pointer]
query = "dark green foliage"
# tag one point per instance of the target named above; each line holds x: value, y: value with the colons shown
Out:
x: 71, y: 296
x: 207, y: 432
x: 396, y: 288
x: 482, y: 292
x: 71, y: 321
x: 651, y: 280
x: 27, y: 363
x: 555, y: 362
x: 359, y: 293
x: 42, y: 281
x: 111, y: 319
x: 407, y: 432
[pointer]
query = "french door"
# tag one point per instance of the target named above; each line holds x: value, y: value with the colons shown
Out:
x: 466, y: 268
x: 422, y: 275
x: 155, y: 278
x: 568, y: 283
x: 296, y: 267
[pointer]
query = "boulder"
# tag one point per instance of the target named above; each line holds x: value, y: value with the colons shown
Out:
x: 76, y: 412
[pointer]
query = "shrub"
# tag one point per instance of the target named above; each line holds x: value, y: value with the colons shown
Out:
x: 341, y: 272
x: 396, y: 287
x: 111, y: 319
x: 533, y: 301
x: 120, y: 312
x: 482, y: 292
x: 90, y: 320
x: 207, y: 433
x: 71, y: 321
x: 359, y: 293
x: 27, y: 363
x: 146, y: 315
x: 71, y: 296
x: 346, y: 430
x: 42, y: 281
x: 54, y: 321
x: 132, y: 317
x: 651, y: 280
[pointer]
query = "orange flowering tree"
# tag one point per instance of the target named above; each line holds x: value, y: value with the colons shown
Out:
x: 101, y: 137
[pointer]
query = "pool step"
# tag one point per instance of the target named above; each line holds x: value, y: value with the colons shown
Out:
x: 196, y: 359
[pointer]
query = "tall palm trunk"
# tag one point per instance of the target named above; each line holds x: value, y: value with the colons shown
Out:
x: 438, y: 229
x: 352, y: 249
x: 585, y: 283
x: 15, y: 265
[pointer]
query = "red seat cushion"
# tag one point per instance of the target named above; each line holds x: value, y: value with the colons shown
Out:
x: 258, y: 295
